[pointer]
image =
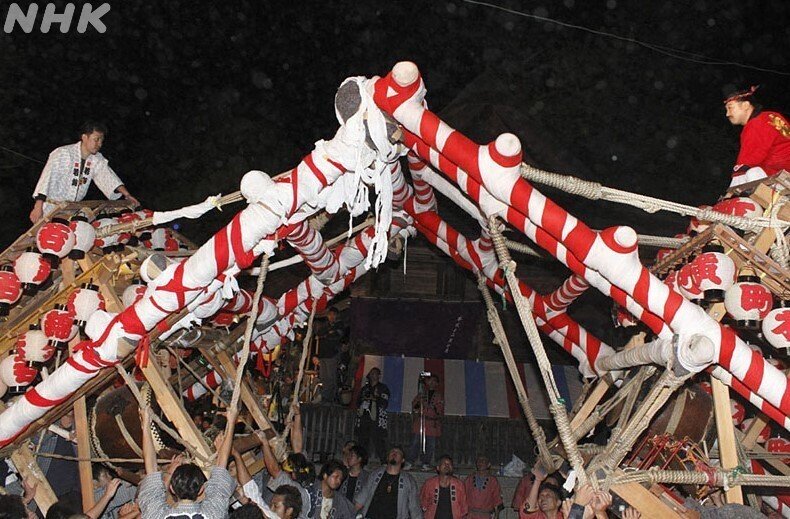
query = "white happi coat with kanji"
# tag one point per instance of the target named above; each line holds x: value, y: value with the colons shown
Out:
x: 65, y: 179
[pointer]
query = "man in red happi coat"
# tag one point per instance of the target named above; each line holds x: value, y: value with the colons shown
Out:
x: 483, y: 494
x: 443, y: 496
x: 765, y: 138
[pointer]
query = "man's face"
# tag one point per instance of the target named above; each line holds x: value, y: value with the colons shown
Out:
x: 445, y: 467
x: 547, y: 501
x: 278, y: 507
x: 738, y: 112
x: 93, y: 141
x: 433, y: 383
x: 104, y: 479
x: 331, y: 316
x: 67, y: 420
x: 352, y: 460
x: 482, y: 464
x: 395, y: 457
x: 334, y: 480
x: 375, y: 376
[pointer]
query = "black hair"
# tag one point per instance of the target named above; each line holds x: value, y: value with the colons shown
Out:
x: 331, y: 466
x: 12, y: 507
x: 303, y: 470
x: 553, y: 488
x: 333, y: 309
x: 99, y: 468
x: 360, y: 451
x: 291, y: 498
x: 444, y: 457
x: 247, y: 511
x: 186, y: 482
x: 57, y: 511
x: 88, y: 127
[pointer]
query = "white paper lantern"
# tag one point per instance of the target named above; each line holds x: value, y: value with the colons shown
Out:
x: 59, y: 326
x: 107, y: 243
x: 776, y: 327
x: 34, y: 347
x: 714, y: 273
x: 10, y: 288
x: 739, y: 206
x: 32, y: 269
x: 778, y: 445
x: 84, y: 236
x: 748, y: 301
x: 695, y: 225
x: 84, y: 301
x: 16, y: 374
x: 687, y: 284
x: 55, y: 240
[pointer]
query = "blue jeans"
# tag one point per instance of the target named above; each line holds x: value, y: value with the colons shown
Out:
x: 415, y: 450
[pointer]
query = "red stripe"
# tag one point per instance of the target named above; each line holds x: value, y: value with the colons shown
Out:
x: 243, y: 258
x: 310, y: 163
x: 35, y: 398
x: 727, y: 347
x: 754, y: 375
x: 436, y: 367
x: 503, y: 160
x: 79, y: 367
x: 221, y: 254
x: 429, y: 126
x: 460, y: 147
x: 642, y: 286
x: 672, y: 305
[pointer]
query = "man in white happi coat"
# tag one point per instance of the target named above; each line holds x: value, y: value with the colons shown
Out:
x: 69, y: 170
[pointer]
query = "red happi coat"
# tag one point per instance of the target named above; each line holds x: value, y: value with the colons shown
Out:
x: 429, y: 498
x: 434, y: 410
x: 482, y: 501
x: 765, y: 143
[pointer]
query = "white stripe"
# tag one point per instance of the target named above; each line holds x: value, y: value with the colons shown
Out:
x: 412, y: 367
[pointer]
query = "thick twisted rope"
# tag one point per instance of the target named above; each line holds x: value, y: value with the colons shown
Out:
x: 544, y: 454
x: 714, y: 478
x: 250, y: 325
x: 596, y: 191
x: 302, y: 364
x: 159, y: 422
x: 620, y: 445
x: 524, y: 308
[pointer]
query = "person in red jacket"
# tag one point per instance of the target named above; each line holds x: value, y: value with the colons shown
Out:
x: 765, y: 138
x: 444, y: 496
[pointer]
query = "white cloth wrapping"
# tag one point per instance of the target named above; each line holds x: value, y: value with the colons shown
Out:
x: 190, y: 211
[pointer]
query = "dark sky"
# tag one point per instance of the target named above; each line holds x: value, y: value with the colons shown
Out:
x: 196, y: 93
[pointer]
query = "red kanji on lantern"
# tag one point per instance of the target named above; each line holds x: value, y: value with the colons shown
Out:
x: 59, y: 326
x: 32, y: 269
x: 10, y: 288
x: 55, y: 239
x: 739, y: 206
x: 686, y: 282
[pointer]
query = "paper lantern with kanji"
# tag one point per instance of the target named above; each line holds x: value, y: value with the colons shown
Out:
x: 687, y: 283
x: 55, y: 240
x: 623, y: 318
x: 84, y: 236
x: 84, y: 301
x: 10, y: 288
x: 738, y: 412
x: 672, y: 280
x: 16, y: 374
x: 133, y: 293
x: 32, y: 269
x: 778, y: 446
x: 223, y: 319
x: 662, y: 254
x: 739, y: 206
x: 59, y: 326
x: 776, y: 327
x: 714, y: 273
x: 34, y: 347
x: 765, y: 432
x: 748, y: 301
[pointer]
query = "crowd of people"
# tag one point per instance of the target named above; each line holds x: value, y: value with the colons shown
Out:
x: 290, y: 488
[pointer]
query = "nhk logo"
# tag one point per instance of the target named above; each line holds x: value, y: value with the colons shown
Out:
x: 27, y: 20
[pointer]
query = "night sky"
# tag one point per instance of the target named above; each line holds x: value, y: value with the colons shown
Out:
x: 196, y: 93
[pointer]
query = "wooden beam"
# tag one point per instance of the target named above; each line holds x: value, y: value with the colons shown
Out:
x: 647, y: 503
x: 80, y: 414
x: 725, y: 430
x: 27, y: 466
x: 592, y: 400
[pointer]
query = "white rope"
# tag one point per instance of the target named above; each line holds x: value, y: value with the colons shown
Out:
x: 596, y: 191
